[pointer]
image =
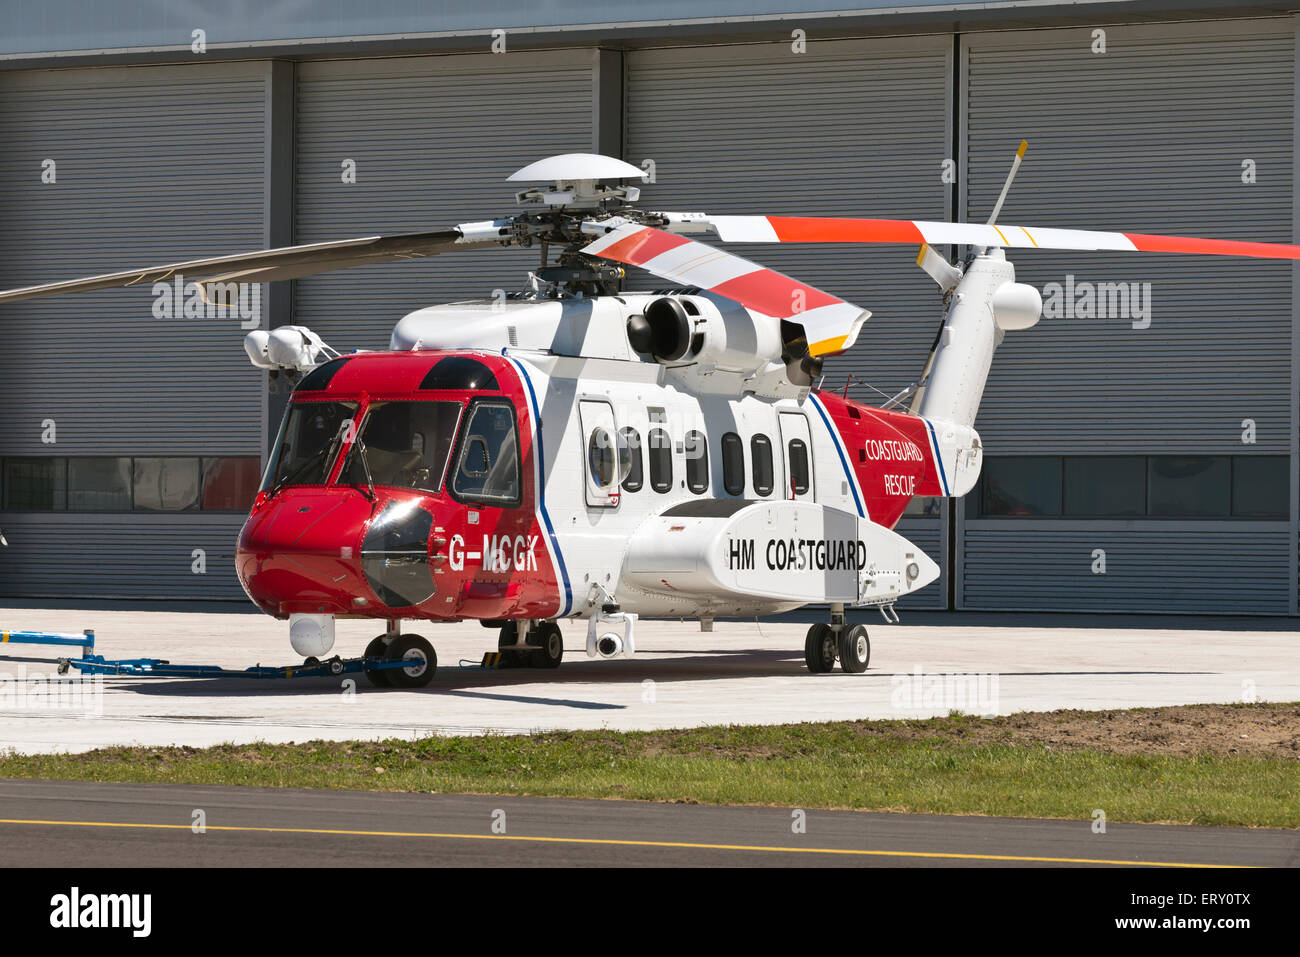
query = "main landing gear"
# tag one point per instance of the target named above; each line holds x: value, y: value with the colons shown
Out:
x: 825, y: 643
x: 422, y: 661
x: 538, y: 646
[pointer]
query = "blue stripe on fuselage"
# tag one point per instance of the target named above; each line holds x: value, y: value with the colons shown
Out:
x: 540, y: 472
x: 835, y: 440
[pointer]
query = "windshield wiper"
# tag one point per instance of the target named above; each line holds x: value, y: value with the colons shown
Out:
x: 360, y: 446
x: 328, y: 452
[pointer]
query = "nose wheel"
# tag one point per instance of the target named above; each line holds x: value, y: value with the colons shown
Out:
x: 422, y: 661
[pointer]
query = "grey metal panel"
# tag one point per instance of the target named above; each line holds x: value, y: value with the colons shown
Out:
x: 28, y: 26
x: 1183, y: 567
x: 1294, y: 556
x: 928, y: 533
x: 849, y: 128
x: 434, y: 139
x: 1148, y: 137
x: 71, y: 555
x: 153, y: 165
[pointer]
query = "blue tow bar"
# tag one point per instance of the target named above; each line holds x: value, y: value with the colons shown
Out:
x: 92, y: 664
x: 85, y: 641
x: 160, y: 668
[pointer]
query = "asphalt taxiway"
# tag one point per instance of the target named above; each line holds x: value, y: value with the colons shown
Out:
x: 86, y: 824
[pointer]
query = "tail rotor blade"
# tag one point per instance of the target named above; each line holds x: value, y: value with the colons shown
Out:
x: 937, y: 268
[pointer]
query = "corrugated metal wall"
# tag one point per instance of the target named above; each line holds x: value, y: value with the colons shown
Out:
x: 151, y: 165
x: 1208, y: 567
x: 848, y: 128
x: 433, y: 139
x: 1149, y: 136
x: 145, y: 555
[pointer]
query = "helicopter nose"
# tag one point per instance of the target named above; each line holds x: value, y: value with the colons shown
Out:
x: 300, y: 552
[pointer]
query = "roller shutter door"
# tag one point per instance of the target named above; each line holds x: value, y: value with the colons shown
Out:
x: 433, y: 140
x: 1151, y: 137
x: 151, y: 165
x: 849, y: 128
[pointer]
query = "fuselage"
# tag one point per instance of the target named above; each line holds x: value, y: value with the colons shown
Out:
x: 522, y: 484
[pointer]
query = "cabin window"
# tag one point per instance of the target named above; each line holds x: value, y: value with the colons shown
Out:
x: 600, y: 458
x: 798, y: 458
x: 405, y: 444
x: 487, y: 459
x: 760, y: 451
x: 733, y: 464
x: 697, y: 462
x: 661, y: 461
x: 629, y: 445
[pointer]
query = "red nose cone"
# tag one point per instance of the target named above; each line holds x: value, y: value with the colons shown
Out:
x: 301, y: 551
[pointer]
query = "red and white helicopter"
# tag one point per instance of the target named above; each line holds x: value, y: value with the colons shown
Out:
x: 574, y: 451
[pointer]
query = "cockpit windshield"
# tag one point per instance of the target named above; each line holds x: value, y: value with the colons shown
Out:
x: 310, y: 438
x: 404, y: 444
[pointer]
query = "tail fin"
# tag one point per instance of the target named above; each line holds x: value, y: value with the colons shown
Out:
x: 986, y: 303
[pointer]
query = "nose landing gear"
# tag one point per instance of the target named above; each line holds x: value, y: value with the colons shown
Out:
x: 423, y: 661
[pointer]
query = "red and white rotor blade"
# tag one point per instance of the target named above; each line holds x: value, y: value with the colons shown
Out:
x: 813, y: 229
x: 830, y: 324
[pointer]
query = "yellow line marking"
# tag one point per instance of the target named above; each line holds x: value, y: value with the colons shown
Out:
x: 999, y: 232
x: 624, y: 843
x: 1026, y: 232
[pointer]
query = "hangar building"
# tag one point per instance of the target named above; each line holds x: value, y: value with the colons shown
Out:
x: 1150, y: 421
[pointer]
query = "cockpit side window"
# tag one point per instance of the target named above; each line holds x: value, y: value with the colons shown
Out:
x: 487, y: 456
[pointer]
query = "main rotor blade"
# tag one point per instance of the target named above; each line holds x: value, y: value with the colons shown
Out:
x: 813, y: 229
x: 830, y: 324
x: 267, y: 265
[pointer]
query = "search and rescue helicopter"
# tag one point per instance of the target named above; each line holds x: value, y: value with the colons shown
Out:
x: 574, y: 451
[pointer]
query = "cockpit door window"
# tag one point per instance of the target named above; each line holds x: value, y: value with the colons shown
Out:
x: 487, y: 457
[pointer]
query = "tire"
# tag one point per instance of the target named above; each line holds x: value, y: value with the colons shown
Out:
x: 424, y: 662
x: 819, y: 649
x: 549, y: 643
x: 506, y: 639
x: 855, y: 649
x: 377, y: 649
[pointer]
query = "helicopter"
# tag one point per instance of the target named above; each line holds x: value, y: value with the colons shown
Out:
x: 574, y: 451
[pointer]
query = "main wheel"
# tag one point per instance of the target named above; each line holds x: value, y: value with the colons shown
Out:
x: 423, y: 662
x: 819, y: 649
x: 549, y: 642
x: 377, y: 649
x: 855, y: 649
